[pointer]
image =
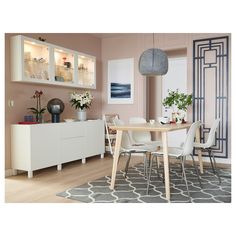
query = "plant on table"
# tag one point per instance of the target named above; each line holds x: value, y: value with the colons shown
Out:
x: 178, y: 102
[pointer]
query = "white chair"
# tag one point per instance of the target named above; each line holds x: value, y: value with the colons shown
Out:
x: 142, y: 136
x: 129, y: 147
x: 208, y: 146
x: 180, y: 153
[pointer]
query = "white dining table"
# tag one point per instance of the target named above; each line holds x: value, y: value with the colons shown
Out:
x: 156, y: 127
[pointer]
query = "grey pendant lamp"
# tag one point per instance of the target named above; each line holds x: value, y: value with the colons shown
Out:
x: 153, y: 62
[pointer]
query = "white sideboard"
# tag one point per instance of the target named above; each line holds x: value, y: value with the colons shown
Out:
x: 39, y: 146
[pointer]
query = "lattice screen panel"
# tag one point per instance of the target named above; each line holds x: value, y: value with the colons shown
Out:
x: 211, y: 89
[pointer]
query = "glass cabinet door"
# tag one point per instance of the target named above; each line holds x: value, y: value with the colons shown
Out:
x: 64, y: 66
x: 36, y: 61
x: 86, y: 71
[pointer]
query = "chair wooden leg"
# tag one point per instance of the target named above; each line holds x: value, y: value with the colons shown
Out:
x: 157, y: 167
x: 149, y: 175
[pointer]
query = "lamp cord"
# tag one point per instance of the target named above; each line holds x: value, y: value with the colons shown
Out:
x: 153, y: 41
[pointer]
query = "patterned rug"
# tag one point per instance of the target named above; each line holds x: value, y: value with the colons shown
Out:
x: 133, y: 188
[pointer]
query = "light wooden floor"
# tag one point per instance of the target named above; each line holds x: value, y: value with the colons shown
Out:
x: 46, y: 183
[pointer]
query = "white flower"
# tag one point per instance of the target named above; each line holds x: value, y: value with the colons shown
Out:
x: 81, y: 101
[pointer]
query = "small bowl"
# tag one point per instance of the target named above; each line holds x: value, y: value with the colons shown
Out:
x: 69, y: 120
x: 152, y: 122
x: 164, y: 120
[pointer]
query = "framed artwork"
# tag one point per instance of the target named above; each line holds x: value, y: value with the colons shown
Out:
x: 121, y: 81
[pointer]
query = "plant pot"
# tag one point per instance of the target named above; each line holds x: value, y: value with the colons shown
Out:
x: 39, y: 118
x: 174, y: 116
x: 178, y: 117
x: 82, y: 115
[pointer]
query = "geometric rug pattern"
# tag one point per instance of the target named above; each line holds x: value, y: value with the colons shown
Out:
x: 132, y: 189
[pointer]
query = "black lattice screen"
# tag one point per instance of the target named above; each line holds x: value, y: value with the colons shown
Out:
x: 210, y: 89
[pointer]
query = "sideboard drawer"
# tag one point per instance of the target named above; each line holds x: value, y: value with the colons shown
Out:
x: 72, y: 130
x: 72, y: 149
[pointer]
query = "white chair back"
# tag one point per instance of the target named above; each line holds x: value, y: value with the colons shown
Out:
x: 211, y: 136
x: 142, y: 136
x: 188, y: 145
x: 125, y: 142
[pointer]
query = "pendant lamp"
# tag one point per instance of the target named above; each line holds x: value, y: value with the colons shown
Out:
x: 153, y: 62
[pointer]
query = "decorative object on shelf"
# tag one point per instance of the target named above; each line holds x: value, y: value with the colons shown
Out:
x: 64, y: 60
x: 42, y: 39
x: 66, y: 64
x: 81, y: 102
x: 38, y: 111
x: 153, y: 62
x: 179, y: 101
x: 28, y: 118
x: 36, y: 67
x: 82, y: 67
x: 55, y: 107
x: 59, y: 78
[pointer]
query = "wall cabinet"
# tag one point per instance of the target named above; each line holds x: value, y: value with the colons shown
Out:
x: 34, y: 61
x: 39, y: 146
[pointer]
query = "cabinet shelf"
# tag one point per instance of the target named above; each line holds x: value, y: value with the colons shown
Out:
x: 34, y: 61
x: 65, y: 68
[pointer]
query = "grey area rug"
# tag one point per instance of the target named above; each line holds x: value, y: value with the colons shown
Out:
x: 133, y: 188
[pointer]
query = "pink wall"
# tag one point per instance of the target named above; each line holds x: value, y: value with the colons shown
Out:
x: 21, y: 93
x: 132, y: 45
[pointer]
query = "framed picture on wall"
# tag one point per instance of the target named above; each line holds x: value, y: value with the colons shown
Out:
x: 121, y: 81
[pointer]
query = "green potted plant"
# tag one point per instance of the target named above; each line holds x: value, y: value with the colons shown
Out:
x: 178, y: 102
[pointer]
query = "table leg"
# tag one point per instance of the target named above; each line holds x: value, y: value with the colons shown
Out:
x: 199, y: 151
x: 166, y: 164
x: 116, y: 157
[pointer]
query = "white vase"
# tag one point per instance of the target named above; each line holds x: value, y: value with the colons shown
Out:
x: 81, y: 115
x: 180, y: 118
x: 174, y: 117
